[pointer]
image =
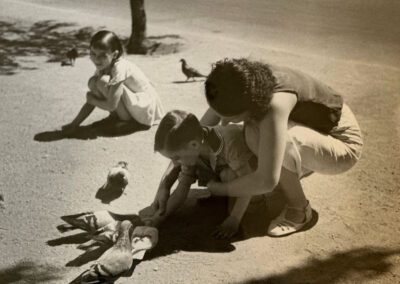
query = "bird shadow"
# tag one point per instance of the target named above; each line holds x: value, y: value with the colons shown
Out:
x: 103, y: 128
x: 88, y: 256
x: 71, y: 239
x: 356, y: 265
x: 107, y: 196
x: 29, y: 272
x: 187, y: 81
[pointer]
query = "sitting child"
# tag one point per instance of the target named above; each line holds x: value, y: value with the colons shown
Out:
x: 118, y: 86
x: 200, y: 153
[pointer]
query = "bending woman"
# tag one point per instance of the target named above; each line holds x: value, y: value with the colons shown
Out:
x: 294, y: 124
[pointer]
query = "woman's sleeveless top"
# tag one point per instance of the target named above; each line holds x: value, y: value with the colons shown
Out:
x: 318, y: 106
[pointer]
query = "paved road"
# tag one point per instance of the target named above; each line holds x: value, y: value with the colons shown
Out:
x: 362, y: 30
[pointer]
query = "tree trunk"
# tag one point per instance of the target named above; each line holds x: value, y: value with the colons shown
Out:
x: 136, y: 43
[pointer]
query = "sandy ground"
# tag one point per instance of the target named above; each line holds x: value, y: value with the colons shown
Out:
x: 356, y: 237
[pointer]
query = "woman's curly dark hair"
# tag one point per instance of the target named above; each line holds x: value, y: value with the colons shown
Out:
x: 238, y: 85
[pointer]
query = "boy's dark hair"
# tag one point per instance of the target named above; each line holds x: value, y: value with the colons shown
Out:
x: 238, y: 85
x: 177, y: 128
x: 107, y: 40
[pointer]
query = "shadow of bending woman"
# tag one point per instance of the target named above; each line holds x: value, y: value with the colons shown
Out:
x: 29, y: 272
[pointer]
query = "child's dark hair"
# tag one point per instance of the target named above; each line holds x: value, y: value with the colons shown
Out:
x: 238, y: 85
x: 176, y: 129
x: 107, y: 40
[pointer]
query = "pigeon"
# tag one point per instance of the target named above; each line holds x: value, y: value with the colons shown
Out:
x: 117, y: 178
x: 115, y: 262
x: 105, y: 236
x: 1, y: 201
x: 72, y: 54
x: 190, y: 72
x: 102, y: 226
x: 90, y: 222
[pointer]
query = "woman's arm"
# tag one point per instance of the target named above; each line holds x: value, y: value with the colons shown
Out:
x: 271, y: 149
x: 210, y: 118
x: 113, y: 95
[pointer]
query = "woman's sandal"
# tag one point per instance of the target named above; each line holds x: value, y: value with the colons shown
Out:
x: 280, y: 226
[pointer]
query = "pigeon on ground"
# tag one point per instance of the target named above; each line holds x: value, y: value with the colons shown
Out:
x: 190, y: 72
x: 105, y: 236
x: 102, y: 226
x: 1, y: 201
x: 72, y: 54
x: 117, y: 178
x: 90, y: 222
x: 115, y: 262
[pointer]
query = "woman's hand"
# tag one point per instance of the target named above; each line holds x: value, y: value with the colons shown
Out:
x: 217, y: 188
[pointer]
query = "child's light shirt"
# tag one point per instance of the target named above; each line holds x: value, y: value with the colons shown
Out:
x: 229, y: 149
x: 139, y: 96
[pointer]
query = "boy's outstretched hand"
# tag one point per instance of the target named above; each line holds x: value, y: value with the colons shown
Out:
x: 160, y: 201
x: 227, y: 229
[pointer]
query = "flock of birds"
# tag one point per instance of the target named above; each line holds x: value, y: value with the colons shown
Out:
x: 125, y: 237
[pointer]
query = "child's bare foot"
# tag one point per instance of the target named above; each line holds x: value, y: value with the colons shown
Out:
x: 227, y: 229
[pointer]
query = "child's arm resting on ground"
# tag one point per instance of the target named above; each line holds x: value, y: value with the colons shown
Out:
x: 113, y: 97
x: 231, y: 224
x: 272, y: 143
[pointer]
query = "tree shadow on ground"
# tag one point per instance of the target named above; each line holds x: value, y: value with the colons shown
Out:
x: 158, y: 45
x: 54, y: 39
x: 44, y: 38
x: 356, y: 266
x: 29, y: 272
x: 101, y: 128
